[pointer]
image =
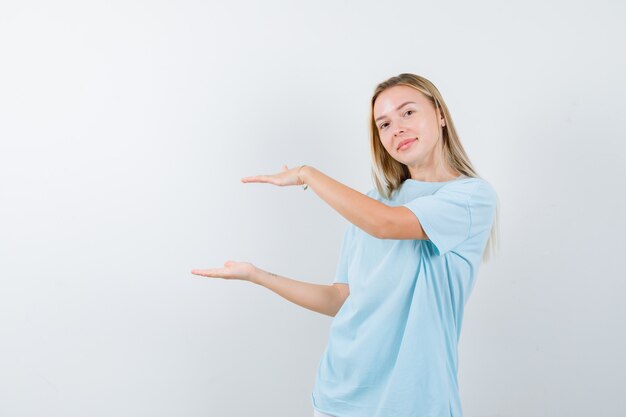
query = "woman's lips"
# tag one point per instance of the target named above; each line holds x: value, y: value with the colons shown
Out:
x: 405, y: 144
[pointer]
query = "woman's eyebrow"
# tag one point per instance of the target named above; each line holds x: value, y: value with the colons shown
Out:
x: 397, y: 108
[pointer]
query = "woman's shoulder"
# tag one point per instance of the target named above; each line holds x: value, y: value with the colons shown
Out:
x: 475, y: 189
x: 470, y: 184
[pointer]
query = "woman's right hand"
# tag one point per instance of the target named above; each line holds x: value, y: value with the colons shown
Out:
x: 232, y: 270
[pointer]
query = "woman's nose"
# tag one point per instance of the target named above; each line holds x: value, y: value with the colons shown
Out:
x: 399, y: 129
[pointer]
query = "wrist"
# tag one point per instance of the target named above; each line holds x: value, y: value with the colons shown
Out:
x: 259, y: 277
x: 303, y: 175
x: 256, y: 276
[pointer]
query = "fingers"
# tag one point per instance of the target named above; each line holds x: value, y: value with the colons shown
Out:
x: 256, y: 178
x: 225, y: 272
x: 212, y: 273
x: 272, y: 179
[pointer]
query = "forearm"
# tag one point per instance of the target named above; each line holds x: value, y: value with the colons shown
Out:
x: 364, y: 212
x: 324, y: 299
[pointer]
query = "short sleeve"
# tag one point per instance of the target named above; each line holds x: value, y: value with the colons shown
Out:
x: 341, y: 274
x: 455, y: 212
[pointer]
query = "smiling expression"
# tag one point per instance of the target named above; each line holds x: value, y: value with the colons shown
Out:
x: 409, y: 126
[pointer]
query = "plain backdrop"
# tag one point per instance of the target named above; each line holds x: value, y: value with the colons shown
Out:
x: 125, y: 127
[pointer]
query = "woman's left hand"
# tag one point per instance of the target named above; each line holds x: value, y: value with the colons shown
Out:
x: 286, y: 177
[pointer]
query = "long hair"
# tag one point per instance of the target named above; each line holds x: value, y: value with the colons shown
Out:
x: 389, y: 174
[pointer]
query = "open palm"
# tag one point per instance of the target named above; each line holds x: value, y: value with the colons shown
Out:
x: 231, y: 270
x: 285, y: 177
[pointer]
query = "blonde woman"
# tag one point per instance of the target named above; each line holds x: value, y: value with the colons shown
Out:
x: 407, y: 265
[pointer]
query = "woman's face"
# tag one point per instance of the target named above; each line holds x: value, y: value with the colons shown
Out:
x: 409, y: 126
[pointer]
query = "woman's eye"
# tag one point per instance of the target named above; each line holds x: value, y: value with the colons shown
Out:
x: 382, y: 126
x: 409, y: 111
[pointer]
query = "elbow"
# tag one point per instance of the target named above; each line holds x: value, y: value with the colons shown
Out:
x: 340, y: 293
x: 335, y: 310
x: 385, y: 225
x: 331, y: 311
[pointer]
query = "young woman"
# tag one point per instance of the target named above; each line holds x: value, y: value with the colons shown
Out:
x: 408, y: 262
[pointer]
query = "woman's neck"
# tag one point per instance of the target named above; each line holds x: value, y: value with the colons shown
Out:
x: 434, y: 175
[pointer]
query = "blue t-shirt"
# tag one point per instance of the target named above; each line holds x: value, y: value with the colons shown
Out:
x: 392, y: 348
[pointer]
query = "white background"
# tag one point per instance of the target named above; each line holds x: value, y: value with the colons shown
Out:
x: 125, y: 127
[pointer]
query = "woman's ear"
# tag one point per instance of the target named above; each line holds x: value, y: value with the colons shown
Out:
x: 439, y: 113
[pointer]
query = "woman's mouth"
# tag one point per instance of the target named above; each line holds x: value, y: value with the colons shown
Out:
x: 405, y: 144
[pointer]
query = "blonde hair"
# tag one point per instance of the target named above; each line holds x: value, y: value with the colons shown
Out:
x: 389, y: 174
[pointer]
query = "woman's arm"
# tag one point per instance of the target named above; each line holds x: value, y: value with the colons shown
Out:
x: 325, y: 299
x: 366, y: 213
x: 370, y: 215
